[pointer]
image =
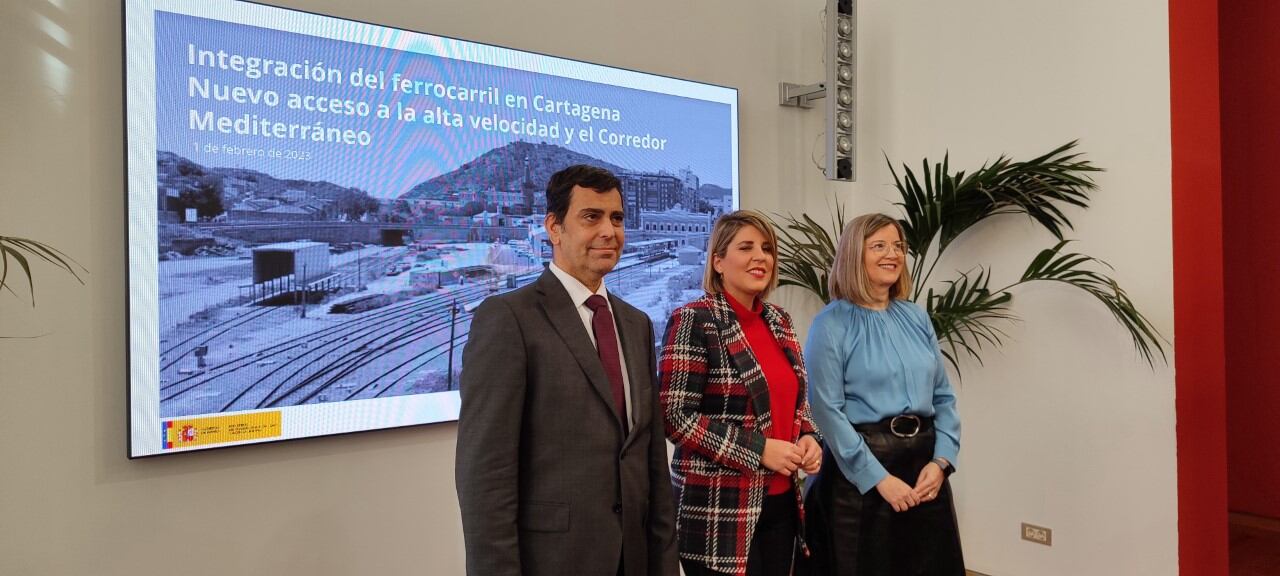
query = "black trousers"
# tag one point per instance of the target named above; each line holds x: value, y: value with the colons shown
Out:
x: 773, y: 544
x: 855, y: 534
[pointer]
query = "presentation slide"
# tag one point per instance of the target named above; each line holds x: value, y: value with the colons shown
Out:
x: 317, y: 206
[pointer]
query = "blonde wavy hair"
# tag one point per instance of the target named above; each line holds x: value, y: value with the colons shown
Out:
x: 722, y: 234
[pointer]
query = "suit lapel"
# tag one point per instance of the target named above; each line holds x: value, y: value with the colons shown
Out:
x: 632, y: 332
x: 564, y: 317
x: 787, y: 339
x: 735, y: 342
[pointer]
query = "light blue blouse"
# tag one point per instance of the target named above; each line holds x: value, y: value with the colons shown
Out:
x: 866, y: 365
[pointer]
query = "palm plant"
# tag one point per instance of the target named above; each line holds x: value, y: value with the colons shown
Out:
x: 22, y: 251
x: 938, y: 207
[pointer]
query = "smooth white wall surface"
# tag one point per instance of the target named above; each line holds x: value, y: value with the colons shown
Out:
x: 1064, y: 427
x: 373, y: 503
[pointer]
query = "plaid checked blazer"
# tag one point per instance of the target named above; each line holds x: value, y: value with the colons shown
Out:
x: 715, y: 404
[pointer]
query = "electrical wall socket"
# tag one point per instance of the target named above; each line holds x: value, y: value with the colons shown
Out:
x: 1037, y: 534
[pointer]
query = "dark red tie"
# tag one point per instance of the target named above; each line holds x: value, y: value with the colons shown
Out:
x: 607, y: 347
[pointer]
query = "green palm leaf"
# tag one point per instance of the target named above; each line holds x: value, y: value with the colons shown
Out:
x: 946, y: 205
x: 1081, y: 271
x: 806, y: 250
x: 965, y: 315
x: 939, y: 206
x: 20, y: 251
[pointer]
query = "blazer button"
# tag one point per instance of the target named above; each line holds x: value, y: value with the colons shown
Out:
x: 617, y: 507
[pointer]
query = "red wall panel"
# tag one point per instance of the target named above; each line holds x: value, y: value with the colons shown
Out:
x: 1198, y: 287
x: 1250, y: 88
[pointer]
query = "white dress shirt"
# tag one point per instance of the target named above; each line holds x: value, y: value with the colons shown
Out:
x: 578, y: 293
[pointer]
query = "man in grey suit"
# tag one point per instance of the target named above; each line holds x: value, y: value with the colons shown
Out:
x: 562, y: 462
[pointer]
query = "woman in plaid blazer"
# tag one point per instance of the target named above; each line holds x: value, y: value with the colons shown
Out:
x: 733, y: 395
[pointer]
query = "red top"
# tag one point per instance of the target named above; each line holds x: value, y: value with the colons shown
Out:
x: 784, y: 387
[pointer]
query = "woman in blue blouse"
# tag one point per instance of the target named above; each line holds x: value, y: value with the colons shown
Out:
x: 880, y: 394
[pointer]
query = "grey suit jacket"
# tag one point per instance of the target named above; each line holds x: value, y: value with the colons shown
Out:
x: 547, y: 484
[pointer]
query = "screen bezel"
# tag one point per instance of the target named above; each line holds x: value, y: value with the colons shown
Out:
x: 141, y: 274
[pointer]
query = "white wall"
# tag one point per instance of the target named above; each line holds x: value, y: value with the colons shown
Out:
x: 375, y: 503
x: 1063, y: 427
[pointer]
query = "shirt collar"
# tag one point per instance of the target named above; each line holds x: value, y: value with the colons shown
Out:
x: 578, y: 292
x: 756, y: 306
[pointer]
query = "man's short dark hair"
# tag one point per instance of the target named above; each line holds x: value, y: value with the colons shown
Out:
x: 560, y: 186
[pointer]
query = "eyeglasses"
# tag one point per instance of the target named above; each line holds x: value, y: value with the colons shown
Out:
x: 881, y: 247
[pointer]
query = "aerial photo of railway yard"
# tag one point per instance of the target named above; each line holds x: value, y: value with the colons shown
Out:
x: 277, y: 292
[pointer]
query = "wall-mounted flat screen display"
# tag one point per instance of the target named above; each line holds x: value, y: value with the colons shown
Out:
x: 316, y: 206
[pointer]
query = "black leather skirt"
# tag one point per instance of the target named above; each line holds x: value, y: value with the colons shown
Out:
x: 854, y: 534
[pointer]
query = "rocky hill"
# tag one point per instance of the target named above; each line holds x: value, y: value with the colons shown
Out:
x: 504, y: 169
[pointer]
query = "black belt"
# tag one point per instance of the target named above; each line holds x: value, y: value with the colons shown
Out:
x: 902, y: 425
